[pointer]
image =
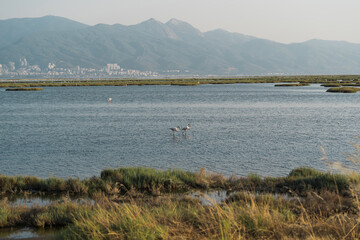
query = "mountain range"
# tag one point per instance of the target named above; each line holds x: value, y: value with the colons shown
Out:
x: 174, y: 45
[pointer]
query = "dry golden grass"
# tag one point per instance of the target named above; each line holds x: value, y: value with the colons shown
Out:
x: 325, y: 206
x: 244, y: 216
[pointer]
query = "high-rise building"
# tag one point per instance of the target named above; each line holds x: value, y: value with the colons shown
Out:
x: 112, y: 67
x: 51, y: 66
x: 23, y: 62
x: 12, y: 66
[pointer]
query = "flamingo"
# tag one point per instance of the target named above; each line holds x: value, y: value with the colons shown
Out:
x: 186, y: 128
x: 175, y: 129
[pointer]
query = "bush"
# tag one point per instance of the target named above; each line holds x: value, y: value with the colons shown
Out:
x: 304, y: 172
x: 305, y: 179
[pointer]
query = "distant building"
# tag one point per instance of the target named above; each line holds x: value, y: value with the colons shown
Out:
x: 12, y: 66
x: 112, y: 67
x: 51, y: 65
x: 35, y: 68
x: 23, y: 62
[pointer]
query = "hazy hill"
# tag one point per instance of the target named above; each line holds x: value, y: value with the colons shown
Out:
x: 12, y: 30
x: 152, y: 45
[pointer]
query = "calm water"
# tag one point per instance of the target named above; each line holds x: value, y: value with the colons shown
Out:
x: 236, y: 129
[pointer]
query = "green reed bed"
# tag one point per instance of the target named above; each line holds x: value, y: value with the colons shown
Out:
x: 154, y: 182
x: 19, y: 184
x: 117, y: 181
x: 148, y: 179
x: 299, y: 182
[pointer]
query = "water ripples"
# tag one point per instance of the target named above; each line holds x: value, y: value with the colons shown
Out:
x: 236, y: 129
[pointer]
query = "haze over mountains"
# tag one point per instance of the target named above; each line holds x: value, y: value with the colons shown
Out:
x: 174, y: 45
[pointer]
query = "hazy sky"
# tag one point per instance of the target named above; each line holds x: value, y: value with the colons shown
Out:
x: 279, y: 20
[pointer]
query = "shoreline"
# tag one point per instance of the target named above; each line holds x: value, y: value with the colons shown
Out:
x: 345, y: 80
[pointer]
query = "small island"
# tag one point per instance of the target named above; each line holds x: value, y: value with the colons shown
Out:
x: 343, y: 90
x: 331, y: 85
x: 186, y: 84
x: 24, y: 89
x: 292, y: 85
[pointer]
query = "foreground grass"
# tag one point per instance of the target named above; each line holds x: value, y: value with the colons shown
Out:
x: 243, y: 215
x: 134, y: 203
x: 57, y: 214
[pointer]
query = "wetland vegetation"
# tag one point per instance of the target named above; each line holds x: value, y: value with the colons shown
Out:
x: 292, y: 84
x: 148, y: 181
x: 145, y: 203
x: 24, y: 89
x: 343, y: 89
x: 302, y: 80
x: 343, y: 83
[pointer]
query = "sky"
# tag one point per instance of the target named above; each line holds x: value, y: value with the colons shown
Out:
x: 285, y: 21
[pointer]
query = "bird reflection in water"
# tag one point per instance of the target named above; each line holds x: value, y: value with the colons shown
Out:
x: 175, y: 138
x: 186, y: 136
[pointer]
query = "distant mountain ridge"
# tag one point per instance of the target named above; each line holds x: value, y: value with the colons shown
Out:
x: 155, y: 46
x: 12, y: 30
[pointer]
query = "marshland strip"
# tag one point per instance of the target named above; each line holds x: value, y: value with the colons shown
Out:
x: 337, y: 80
x: 145, y: 203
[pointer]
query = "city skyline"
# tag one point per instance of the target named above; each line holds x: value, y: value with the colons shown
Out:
x: 26, y: 69
x: 278, y: 20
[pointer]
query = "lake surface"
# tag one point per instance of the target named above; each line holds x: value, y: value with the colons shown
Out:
x: 235, y: 129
